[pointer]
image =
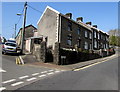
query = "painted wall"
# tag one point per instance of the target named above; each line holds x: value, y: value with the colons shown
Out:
x: 47, y: 26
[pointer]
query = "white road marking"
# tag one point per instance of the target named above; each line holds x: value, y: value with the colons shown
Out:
x: 35, y: 74
x: 42, y: 75
x: 17, y: 83
x: 21, y: 60
x: 9, y: 81
x: 57, y: 71
x: 31, y: 79
x: 2, y: 88
x: 44, y: 72
x: 22, y: 77
x: 1, y: 70
x: 50, y: 70
x: 50, y: 73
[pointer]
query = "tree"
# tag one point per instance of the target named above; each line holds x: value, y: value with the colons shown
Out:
x: 113, y: 40
x: 118, y: 41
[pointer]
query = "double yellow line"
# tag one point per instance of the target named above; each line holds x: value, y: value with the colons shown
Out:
x: 18, y: 61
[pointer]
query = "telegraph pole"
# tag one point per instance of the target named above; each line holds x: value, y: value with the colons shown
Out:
x: 23, y: 29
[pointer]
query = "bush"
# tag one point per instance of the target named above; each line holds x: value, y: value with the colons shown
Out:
x: 86, y: 51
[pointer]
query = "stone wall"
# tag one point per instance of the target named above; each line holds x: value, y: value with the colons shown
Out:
x: 64, y: 57
x: 61, y: 56
x: 43, y: 51
x: 71, y: 57
x: 39, y: 51
x: 56, y: 54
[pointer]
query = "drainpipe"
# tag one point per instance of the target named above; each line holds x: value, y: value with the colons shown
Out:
x: 59, y: 29
x: 92, y: 38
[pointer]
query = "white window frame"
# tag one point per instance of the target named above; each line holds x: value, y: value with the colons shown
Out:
x: 95, y: 43
x: 86, y: 34
x: 102, y: 45
x: 98, y: 35
x: 90, y: 46
x: 106, y: 46
x: 90, y: 35
x: 86, y: 45
x: 69, y: 26
x: 69, y: 40
x: 95, y: 34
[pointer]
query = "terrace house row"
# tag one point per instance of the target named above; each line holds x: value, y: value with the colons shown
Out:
x: 69, y: 33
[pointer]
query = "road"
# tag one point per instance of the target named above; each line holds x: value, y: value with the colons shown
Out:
x: 103, y: 76
x: 15, y: 76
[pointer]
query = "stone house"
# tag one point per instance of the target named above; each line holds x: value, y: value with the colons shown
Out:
x: 29, y: 32
x: 61, y: 28
x: 63, y: 32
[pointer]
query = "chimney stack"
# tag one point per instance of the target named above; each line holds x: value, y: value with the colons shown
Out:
x: 95, y: 26
x: 69, y: 15
x: 89, y: 23
x: 79, y: 19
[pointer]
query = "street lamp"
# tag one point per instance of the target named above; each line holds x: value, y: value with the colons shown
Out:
x: 19, y: 14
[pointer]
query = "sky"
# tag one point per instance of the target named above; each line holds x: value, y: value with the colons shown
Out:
x: 102, y: 14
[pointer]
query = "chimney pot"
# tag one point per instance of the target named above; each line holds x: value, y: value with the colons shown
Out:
x: 89, y: 23
x: 69, y: 15
x: 95, y: 26
x: 79, y: 19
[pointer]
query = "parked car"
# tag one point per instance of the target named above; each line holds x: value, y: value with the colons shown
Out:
x: 11, y: 41
x: 9, y: 47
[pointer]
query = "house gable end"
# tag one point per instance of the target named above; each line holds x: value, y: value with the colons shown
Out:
x: 48, y: 7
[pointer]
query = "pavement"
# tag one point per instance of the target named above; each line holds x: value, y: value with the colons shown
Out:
x: 31, y: 61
